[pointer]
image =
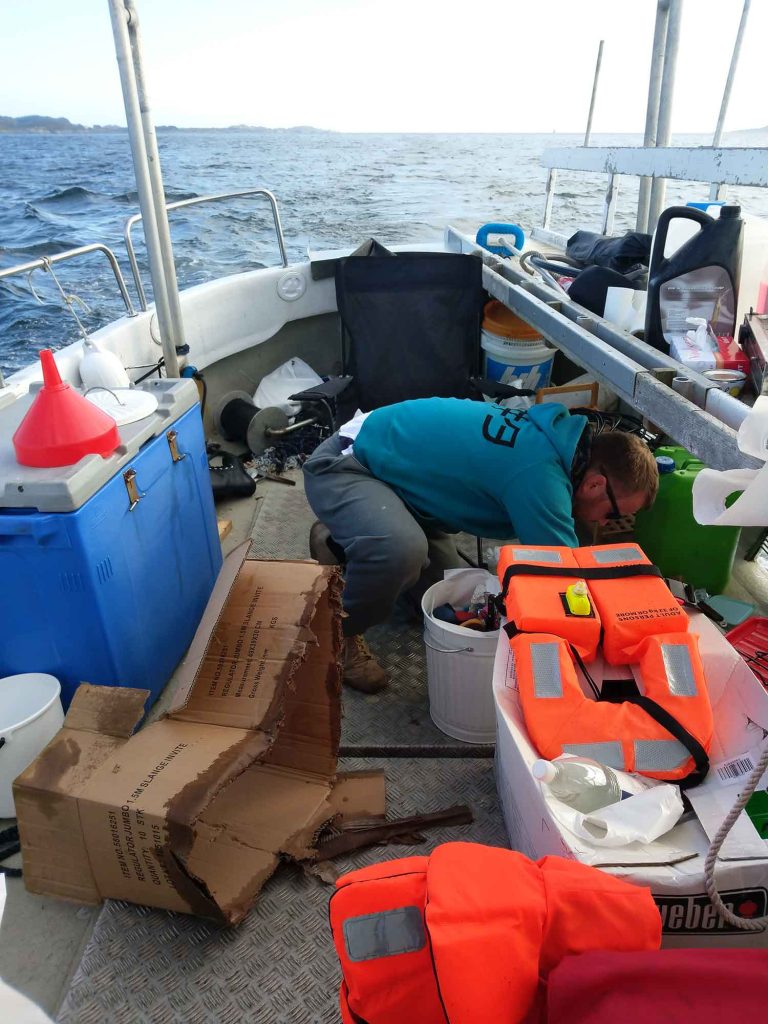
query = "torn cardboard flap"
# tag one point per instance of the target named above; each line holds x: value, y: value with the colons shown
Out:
x: 193, y: 812
x: 47, y: 803
x: 254, y: 636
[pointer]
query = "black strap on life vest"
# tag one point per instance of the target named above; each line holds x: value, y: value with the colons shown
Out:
x: 612, y: 572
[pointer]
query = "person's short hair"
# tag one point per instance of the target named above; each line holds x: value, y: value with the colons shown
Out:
x: 629, y: 463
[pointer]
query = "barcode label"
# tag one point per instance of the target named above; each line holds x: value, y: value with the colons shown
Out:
x: 511, y: 680
x: 736, y: 769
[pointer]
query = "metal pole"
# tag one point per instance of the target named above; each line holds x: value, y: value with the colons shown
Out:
x: 666, y: 98
x: 594, y: 92
x: 713, y: 194
x: 652, y: 113
x: 119, y: 16
x: 156, y: 179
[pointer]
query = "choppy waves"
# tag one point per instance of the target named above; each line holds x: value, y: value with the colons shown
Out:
x: 60, y: 192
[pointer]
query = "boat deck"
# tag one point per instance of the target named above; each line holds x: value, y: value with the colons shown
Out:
x: 126, y: 963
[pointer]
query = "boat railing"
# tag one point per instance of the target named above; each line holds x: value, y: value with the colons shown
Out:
x: 196, y: 201
x: 44, y: 263
x: 717, y: 166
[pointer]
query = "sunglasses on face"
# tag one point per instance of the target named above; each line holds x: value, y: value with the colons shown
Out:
x: 615, y: 512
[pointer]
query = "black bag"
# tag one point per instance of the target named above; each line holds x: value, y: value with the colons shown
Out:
x: 619, y: 254
x: 591, y: 286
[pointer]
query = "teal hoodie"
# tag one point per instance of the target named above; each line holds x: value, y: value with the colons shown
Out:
x: 476, y: 467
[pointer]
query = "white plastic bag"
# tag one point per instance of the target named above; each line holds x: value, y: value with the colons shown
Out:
x: 638, y: 819
x: 288, y: 379
x: 625, y: 307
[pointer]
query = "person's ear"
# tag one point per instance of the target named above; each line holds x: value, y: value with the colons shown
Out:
x: 593, y: 484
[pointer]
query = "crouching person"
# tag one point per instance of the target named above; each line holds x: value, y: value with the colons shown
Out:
x: 392, y: 486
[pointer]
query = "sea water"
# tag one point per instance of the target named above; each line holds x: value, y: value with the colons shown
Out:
x: 61, y: 190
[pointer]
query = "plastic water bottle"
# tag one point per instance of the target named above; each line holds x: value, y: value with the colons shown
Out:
x: 579, y: 782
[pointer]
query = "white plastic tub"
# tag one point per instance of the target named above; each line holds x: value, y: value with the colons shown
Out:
x: 517, y: 361
x: 460, y: 662
x: 30, y: 716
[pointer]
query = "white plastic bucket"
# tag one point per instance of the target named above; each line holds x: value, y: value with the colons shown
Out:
x: 30, y: 716
x: 460, y: 662
x: 520, y: 361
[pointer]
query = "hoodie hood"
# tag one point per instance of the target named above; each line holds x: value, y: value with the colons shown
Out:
x: 561, y: 429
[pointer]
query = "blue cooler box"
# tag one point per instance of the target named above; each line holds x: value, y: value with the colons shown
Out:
x: 107, y: 566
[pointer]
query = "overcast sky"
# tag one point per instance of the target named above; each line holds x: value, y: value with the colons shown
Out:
x: 389, y: 65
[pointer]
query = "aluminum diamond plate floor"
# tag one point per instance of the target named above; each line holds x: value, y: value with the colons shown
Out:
x: 279, y: 966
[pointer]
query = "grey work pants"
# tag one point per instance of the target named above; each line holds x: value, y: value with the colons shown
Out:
x: 388, y: 548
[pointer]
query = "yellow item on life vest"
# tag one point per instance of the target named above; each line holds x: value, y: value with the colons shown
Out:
x: 665, y: 730
x: 577, y: 598
x: 535, y: 604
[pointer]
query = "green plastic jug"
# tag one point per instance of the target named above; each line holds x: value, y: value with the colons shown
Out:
x: 671, y: 537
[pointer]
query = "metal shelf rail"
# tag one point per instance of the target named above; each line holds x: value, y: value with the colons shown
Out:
x: 705, y: 424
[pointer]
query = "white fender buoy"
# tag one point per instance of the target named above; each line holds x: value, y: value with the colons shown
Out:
x: 101, y: 369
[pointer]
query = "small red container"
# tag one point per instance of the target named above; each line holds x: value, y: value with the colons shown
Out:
x: 751, y: 641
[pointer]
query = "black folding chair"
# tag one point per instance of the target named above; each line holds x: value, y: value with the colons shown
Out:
x: 410, y: 329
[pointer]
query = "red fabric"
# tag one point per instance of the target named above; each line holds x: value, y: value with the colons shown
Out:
x: 676, y: 986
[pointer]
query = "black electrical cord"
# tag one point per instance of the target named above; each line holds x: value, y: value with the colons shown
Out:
x: 198, y: 376
x: 561, y: 265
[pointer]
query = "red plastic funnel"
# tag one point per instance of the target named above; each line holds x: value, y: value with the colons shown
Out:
x: 61, y: 426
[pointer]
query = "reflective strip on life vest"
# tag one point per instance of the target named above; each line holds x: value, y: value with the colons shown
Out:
x: 609, y: 752
x: 537, y: 555
x: 609, y: 556
x: 388, y: 933
x: 547, y: 679
x: 677, y: 664
x: 659, y: 755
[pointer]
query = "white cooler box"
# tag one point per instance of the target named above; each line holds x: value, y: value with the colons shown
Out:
x: 673, y: 865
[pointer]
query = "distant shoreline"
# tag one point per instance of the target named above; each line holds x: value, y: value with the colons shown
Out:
x: 43, y: 125
x: 47, y: 125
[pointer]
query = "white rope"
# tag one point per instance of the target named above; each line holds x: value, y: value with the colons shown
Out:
x: 69, y: 300
x: 749, y: 924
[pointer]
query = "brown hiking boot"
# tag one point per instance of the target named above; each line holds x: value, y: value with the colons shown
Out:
x: 360, y: 670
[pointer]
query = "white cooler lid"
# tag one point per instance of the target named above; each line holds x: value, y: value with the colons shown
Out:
x: 67, y: 488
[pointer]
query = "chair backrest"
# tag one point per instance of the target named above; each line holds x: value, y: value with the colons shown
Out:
x: 411, y: 325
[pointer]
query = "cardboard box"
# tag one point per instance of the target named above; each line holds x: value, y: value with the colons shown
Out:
x: 193, y: 812
x: 672, y: 865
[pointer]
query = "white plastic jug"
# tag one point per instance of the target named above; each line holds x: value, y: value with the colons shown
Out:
x: 30, y: 716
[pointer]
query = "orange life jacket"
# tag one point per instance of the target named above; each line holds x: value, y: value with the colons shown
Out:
x: 466, y: 934
x: 666, y: 730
